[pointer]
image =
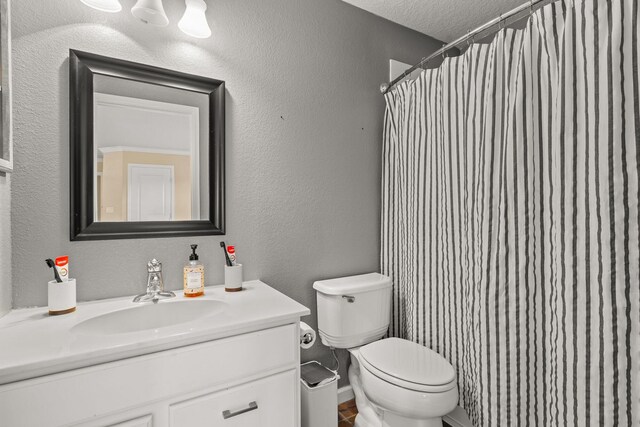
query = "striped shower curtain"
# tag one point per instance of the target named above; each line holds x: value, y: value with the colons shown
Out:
x: 510, y: 210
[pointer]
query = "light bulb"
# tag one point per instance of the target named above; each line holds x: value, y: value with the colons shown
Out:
x: 150, y: 12
x: 194, y: 21
x: 104, y: 5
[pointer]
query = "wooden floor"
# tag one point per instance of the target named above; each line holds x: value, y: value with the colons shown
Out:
x: 347, y: 412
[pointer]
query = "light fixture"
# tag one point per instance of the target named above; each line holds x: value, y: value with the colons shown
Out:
x: 194, y: 22
x: 150, y: 12
x: 112, y: 6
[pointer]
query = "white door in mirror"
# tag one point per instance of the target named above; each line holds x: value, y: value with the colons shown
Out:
x: 150, y: 193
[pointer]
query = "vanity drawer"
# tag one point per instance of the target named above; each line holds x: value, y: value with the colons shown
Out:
x: 267, y: 402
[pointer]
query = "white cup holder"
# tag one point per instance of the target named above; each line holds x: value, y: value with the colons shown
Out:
x: 233, y: 278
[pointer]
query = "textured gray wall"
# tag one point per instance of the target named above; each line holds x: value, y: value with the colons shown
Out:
x: 5, y: 243
x: 304, y: 126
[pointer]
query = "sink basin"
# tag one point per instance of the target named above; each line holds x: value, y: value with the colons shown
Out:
x: 150, y: 317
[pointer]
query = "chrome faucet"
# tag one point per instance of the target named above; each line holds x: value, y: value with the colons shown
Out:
x: 155, y: 285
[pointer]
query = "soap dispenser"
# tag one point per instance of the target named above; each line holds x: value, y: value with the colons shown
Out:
x: 193, y: 276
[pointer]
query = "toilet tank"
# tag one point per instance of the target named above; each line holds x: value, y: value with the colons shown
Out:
x: 354, y: 310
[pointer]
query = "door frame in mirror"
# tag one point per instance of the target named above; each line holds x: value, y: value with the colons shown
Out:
x: 82, y: 67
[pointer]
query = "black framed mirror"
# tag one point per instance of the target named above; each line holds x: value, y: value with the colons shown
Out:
x: 147, y: 150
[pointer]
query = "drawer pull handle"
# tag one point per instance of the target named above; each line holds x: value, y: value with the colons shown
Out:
x: 228, y: 414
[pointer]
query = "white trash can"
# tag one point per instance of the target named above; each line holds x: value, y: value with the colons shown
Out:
x: 318, y: 395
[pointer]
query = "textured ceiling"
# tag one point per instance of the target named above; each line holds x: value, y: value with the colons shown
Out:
x: 444, y: 20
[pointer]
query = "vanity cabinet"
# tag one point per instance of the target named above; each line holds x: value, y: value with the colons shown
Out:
x: 250, y: 379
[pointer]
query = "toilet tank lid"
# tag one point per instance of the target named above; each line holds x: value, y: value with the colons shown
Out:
x: 353, y: 284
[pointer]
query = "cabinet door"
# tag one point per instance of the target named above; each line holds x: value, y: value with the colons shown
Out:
x: 146, y: 421
x: 268, y: 402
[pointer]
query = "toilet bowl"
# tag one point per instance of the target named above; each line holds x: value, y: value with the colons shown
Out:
x: 409, y: 384
x: 397, y: 383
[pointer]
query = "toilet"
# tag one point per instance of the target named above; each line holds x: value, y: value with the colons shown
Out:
x: 397, y: 383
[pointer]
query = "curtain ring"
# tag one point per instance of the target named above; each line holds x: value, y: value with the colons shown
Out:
x: 500, y: 23
x: 468, y: 38
x: 444, y: 52
x: 530, y: 7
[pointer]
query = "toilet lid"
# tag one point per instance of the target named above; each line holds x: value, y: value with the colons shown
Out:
x: 408, y: 361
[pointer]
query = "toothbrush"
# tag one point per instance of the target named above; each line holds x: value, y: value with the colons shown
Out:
x: 226, y: 255
x: 51, y: 264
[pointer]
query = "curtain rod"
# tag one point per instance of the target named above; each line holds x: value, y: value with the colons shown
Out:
x: 481, y: 32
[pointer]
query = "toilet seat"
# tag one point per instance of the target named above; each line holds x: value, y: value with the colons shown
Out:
x: 408, y: 365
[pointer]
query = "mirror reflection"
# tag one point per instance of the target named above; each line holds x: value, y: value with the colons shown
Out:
x: 151, y: 159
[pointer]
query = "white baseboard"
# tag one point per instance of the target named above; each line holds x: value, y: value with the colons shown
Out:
x: 457, y: 418
x: 345, y: 394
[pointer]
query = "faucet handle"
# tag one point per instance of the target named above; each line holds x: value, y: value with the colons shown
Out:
x: 154, y: 266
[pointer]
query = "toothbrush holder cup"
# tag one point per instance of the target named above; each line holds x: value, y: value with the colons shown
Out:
x: 62, y: 297
x: 233, y: 278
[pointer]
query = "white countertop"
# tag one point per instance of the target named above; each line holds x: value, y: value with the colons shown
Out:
x: 33, y: 344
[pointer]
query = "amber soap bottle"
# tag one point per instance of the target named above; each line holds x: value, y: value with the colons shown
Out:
x: 193, y: 276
